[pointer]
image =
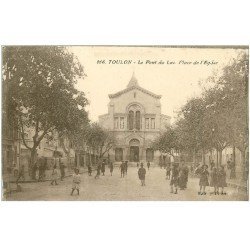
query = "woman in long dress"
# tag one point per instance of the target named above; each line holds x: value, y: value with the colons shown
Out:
x: 222, y: 180
x: 203, y: 180
x: 214, y: 180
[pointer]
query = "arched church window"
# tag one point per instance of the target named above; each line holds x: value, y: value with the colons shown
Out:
x: 138, y: 120
x: 121, y: 122
x: 131, y: 120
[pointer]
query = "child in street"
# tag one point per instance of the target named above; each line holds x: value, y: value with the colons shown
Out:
x: 54, y: 175
x: 174, y: 178
x: 89, y: 170
x: 214, y: 180
x: 76, y: 182
x: 203, y: 180
x: 111, y: 167
x: 98, y: 170
x: 122, y: 167
x: 221, y: 180
x: 142, y: 174
x: 148, y: 165
x: 103, y: 167
x: 168, y: 170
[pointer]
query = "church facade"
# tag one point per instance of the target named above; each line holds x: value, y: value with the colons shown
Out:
x: 134, y: 117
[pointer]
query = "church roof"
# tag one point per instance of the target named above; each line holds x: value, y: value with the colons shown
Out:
x: 133, y: 81
x: 133, y: 84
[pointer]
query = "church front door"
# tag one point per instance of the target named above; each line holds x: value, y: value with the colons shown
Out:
x: 134, y: 153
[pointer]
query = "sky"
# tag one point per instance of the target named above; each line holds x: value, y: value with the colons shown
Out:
x: 175, y: 82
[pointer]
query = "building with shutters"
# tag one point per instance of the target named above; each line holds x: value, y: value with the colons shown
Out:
x: 134, y: 116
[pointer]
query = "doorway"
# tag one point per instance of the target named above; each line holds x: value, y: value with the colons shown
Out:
x: 134, y: 153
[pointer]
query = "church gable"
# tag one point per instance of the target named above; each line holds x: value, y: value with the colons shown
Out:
x: 133, y: 85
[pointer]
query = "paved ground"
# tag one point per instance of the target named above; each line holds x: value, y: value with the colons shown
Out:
x: 119, y: 189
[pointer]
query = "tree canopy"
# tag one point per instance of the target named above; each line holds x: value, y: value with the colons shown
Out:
x: 41, y: 90
x: 216, y: 119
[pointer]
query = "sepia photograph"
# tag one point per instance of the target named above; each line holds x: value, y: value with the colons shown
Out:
x: 125, y: 123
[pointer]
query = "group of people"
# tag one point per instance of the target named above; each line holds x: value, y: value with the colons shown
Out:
x: 76, y: 180
x: 217, y: 179
x: 178, y: 176
x: 101, y: 167
x: 123, y: 170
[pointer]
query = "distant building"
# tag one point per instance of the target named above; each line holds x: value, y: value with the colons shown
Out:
x: 134, y: 116
x: 51, y: 149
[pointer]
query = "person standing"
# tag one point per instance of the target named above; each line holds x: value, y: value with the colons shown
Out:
x: 103, y: 167
x: 89, y: 169
x: 232, y: 170
x: 76, y: 182
x: 221, y: 180
x: 54, y: 175
x: 174, y: 178
x: 148, y: 165
x: 181, y: 181
x: 168, y: 169
x: 183, y: 176
x: 111, y: 167
x: 212, y: 165
x: 126, y: 167
x: 137, y: 165
x: 98, y: 170
x: 186, y: 172
x: 122, y: 167
x: 20, y: 174
x: 142, y: 174
x: 214, y: 180
x: 62, y: 170
x: 203, y: 180
x: 42, y: 169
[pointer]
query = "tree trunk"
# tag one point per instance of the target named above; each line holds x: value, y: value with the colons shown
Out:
x: 32, y: 163
x: 90, y: 158
x: 194, y: 158
x: 68, y: 160
x: 220, y: 157
x: 217, y: 158
x: 203, y: 157
x: 66, y: 151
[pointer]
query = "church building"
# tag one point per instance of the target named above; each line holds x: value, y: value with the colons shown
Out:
x: 134, y: 116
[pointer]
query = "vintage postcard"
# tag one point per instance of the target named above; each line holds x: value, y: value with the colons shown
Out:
x: 125, y: 123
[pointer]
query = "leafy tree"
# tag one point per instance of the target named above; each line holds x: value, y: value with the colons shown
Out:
x: 99, y: 140
x: 231, y: 103
x: 190, y: 127
x: 219, y: 117
x: 42, y: 93
x: 167, y: 142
